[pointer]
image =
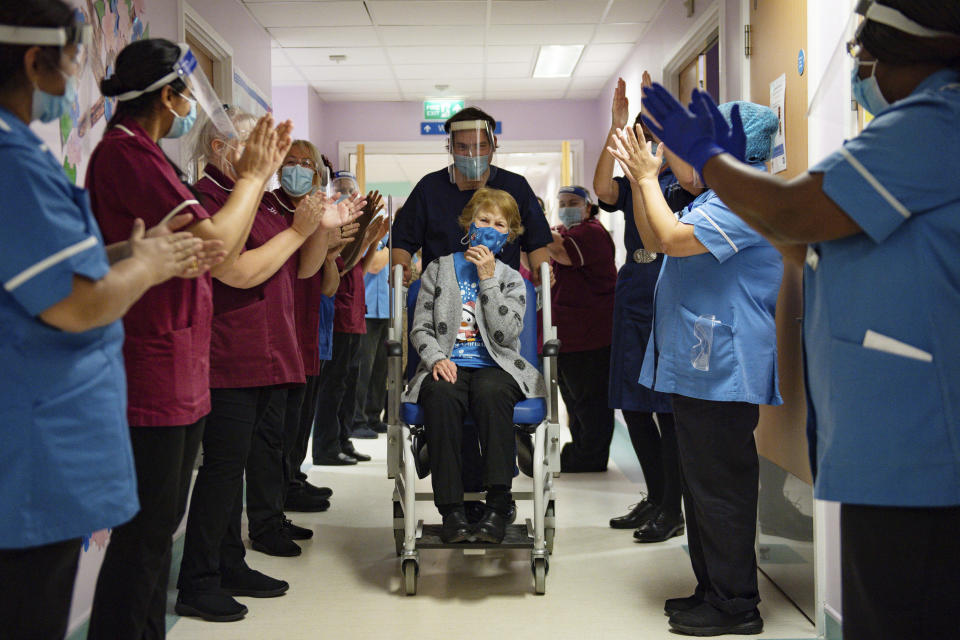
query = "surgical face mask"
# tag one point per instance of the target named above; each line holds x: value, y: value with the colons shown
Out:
x: 486, y: 236
x: 48, y: 107
x: 653, y: 147
x: 182, y: 124
x: 471, y: 167
x: 570, y: 216
x: 866, y: 91
x: 296, y: 180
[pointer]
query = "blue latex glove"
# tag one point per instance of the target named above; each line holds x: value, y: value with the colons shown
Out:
x: 732, y: 138
x: 689, y: 136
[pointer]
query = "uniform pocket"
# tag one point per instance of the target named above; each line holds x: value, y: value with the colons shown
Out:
x: 706, y: 352
x: 238, y: 333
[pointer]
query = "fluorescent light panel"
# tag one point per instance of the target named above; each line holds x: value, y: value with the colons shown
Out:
x: 557, y: 61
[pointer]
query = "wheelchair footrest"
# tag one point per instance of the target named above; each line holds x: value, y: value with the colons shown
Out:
x: 517, y: 538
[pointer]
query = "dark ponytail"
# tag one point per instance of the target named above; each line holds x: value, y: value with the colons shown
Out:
x: 893, y: 46
x: 139, y: 65
x: 30, y: 13
x: 592, y: 209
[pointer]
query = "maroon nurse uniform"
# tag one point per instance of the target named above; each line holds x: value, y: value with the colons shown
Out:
x: 167, y: 344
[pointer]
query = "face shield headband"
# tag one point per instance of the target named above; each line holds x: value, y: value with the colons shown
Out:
x: 344, y: 183
x: 575, y: 190
x: 872, y: 10
x: 76, y: 34
x: 471, y: 159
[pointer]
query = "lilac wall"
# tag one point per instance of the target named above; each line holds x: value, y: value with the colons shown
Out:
x: 250, y: 41
x: 291, y: 103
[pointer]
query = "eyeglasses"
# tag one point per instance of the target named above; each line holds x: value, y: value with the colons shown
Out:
x: 306, y: 163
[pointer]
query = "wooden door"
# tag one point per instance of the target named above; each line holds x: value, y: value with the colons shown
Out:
x: 689, y: 80
x: 778, y: 32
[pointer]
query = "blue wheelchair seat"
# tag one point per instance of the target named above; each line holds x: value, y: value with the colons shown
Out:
x: 529, y: 411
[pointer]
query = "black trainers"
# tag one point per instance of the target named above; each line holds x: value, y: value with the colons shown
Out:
x: 320, y: 492
x: 673, y: 605
x: 706, y: 620
x: 303, y: 502
x: 253, y: 584
x: 275, y: 543
x: 639, y: 514
x: 295, y: 532
x: 213, y: 606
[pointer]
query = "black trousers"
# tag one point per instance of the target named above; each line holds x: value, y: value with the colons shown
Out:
x: 656, y: 449
x: 720, y: 475
x: 901, y: 572
x: 372, y: 379
x: 307, y: 418
x: 131, y: 595
x: 337, y: 397
x: 296, y: 399
x: 37, y: 589
x: 583, y: 377
x: 488, y: 395
x: 213, y: 546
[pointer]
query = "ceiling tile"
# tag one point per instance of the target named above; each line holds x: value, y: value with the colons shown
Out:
x: 526, y: 84
x: 430, y: 55
x: 318, y: 75
x: 431, y: 71
x: 352, y: 86
x: 412, y: 12
x: 588, y: 83
x: 325, y: 36
x: 320, y: 56
x: 514, y: 53
x: 509, y: 69
x: 361, y: 97
x: 604, y: 69
x: 456, y: 87
x: 633, y: 10
x: 278, y: 58
x: 539, y: 12
x: 285, y: 76
x: 553, y: 94
x: 610, y: 33
x: 309, y: 14
x: 436, y: 36
x: 550, y: 34
x: 613, y: 53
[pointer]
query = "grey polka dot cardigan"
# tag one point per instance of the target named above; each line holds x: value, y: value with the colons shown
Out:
x: 499, y: 317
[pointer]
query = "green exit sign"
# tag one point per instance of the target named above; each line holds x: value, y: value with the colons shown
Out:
x: 441, y: 109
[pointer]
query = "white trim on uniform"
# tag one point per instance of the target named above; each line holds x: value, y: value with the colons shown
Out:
x: 124, y: 129
x: 873, y: 182
x: 50, y: 261
x: 177, y: 209
x: 5, y: 126
x: 577, y: 247
x: 719, y: 230
x: 208, y: 176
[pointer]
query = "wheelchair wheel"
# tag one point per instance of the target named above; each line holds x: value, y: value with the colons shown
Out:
x: 539, y: 567
x: 549, y: 532
x: 410, y: 571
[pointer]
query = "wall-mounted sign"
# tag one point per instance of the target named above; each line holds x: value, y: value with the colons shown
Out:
x: 441, y: 109
x: 436, y: 128
x: 801, y: 62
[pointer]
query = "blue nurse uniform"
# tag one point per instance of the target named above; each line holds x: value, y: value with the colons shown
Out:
x: 66, y: 467
x: 881, y: 335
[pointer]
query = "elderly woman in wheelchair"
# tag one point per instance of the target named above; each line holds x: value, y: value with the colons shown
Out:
x: 466, y: 330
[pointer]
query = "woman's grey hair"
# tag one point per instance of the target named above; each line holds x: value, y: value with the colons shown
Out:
x: 208, y: 132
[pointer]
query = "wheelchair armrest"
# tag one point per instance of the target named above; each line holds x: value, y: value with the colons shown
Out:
x: 394, y: 349
x: 551, y: 348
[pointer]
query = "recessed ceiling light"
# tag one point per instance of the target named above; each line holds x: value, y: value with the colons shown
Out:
x: 338, y: 58
x: 557, y: 61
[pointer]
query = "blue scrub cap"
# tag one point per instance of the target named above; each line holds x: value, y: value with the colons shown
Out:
x: 759, y: 124
x: 576, y: 190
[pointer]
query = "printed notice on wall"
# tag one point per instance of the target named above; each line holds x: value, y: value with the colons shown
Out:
x: 778, y: 90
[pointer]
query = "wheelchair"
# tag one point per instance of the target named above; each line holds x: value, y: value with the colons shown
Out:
x: 535, y: 419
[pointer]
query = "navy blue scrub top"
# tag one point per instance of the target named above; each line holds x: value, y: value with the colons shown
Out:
x: 428, y: 220
x: 66, y: 467
x: 677, y: 197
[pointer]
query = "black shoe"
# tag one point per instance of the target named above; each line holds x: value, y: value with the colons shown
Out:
x: 275, y: 543
x: 707, y: 620
x: 571, y: 464
x: 356, y: 455
x: 364, y: 433
x: 455, y: 527
x: 474, y: 510
x: 213, y: 606
x: 253, y: 584
x: 639, y: 514
x: 379, y: 427
x: 295, y: 532
x: 660, y: 528
x: 491, y: 528
x: 673, y: 605
x: 341, y: 459
x: 319, y: 492
x: 303, y: 502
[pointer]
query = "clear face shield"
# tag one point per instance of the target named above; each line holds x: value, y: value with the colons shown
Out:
x: 200, y: 89
x: 344, y: 183
x: 471, y: 146
x: 77, y: 35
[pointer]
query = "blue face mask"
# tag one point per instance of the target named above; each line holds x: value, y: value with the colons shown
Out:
x: 471, y: 168
x: 866, y: 91
x: 486, y: 236
x: 48, y: 107
x: 570, y: 216
x: 182, y: 124
x: 297, y: 180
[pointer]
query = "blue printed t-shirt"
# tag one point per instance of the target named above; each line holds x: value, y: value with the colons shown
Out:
x: 731, y: 290
x: 881, y: 310
x: 428, y: 220
x: 469, y: 350
x: 378, y: 290
x: 66, y: 467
